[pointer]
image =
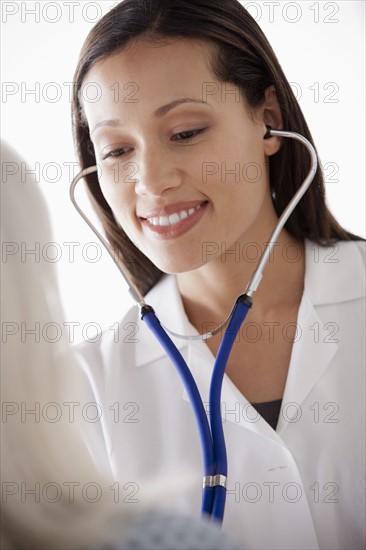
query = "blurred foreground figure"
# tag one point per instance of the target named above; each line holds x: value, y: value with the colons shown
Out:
x: 57, y: 488
x: 54, y: 489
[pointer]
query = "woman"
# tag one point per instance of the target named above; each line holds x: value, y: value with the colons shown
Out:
x: 189, y: 187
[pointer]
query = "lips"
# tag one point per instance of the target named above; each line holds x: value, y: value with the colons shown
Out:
x: 172, y: 219
x: 175, y: 219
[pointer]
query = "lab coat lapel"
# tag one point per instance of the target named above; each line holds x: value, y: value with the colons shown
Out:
x: 312, y: 351
x: 311, y: 356
x: 326, y: 285
x: 235, y: 407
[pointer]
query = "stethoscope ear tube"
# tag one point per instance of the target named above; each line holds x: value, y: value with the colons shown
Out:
x: 132, y: 288
x: 258, y: 274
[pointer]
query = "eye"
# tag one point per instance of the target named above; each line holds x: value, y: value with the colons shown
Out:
x: 187, y: 135
x: 115, y: 153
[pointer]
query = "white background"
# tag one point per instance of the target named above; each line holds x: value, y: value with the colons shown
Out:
x: 320, y: 46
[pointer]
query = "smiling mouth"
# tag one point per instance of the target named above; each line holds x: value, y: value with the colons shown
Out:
x: 174, y: 218
x: 174, y: 224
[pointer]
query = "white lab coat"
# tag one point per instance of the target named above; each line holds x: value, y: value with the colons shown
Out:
x: 299, y: 487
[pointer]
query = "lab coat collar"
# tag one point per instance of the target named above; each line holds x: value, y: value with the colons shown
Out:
x: 334, y: 274
x: 331, y: 275
x: 235, y: 408
x: 310, y: 358
x: 198, y: 356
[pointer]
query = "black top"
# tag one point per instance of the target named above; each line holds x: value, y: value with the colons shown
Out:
x: 270, y: 411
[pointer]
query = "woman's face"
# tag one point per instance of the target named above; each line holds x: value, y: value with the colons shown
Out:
x: 183, y: 162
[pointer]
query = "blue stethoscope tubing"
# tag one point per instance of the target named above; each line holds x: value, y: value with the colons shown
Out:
x: 212, y: 440
x: 211, y: 432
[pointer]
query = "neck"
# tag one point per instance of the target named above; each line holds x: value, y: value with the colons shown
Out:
x: 208, y: 293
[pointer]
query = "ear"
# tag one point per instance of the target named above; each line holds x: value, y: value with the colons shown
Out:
x: 271, y: 115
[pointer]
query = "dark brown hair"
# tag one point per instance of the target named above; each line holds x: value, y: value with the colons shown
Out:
x: 242, y: 56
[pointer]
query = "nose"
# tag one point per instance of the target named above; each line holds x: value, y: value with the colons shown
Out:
x: 156, y: 172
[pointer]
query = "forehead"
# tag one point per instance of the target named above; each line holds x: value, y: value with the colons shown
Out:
x: 145, y: 59
x: 149, y: 73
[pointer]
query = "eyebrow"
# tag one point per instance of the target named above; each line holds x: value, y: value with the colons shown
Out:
x: 159, y: 112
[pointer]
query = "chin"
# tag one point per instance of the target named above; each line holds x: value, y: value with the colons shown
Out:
x: 173, y: 266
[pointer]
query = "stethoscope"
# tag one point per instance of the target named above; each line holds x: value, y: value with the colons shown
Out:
x: 211, y: 432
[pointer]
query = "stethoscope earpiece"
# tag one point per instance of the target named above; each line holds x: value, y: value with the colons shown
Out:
x: 268, y: 133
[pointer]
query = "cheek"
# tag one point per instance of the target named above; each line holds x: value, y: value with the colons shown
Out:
x: 235, y: 159
x: 121, y: 201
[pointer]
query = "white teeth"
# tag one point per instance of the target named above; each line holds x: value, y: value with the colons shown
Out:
x: 164, y: 221
x: 174, y: 218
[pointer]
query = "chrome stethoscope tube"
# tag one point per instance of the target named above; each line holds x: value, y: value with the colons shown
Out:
x: 258, y: 273
x: 212, y: 436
